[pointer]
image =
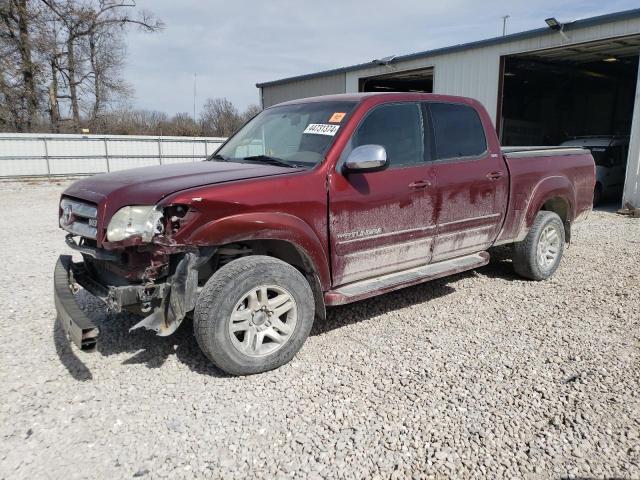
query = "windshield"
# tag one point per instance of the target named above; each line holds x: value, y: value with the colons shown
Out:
x: 296, y: 135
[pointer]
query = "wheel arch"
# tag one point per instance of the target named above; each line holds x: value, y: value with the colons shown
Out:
x: 555, y: 194
x: 281, y: 236
x: 295, y: 256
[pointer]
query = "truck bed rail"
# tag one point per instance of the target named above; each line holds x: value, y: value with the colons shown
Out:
x: 523, y: 152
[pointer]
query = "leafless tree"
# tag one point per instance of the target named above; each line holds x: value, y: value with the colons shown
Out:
x: 106, y: 57
x: 64, y: 58
x: 127, y: 121
x: 92, y: 49
x: 250, y: 112
x: 219, y: 117
x: 18, y: 70
x: 183, y: 124
x: 61, y: 64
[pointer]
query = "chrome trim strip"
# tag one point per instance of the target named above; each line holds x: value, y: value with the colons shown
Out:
x: 470, y: 219
x: 526, y: 152
x: 465, y: 231
x: 80, y: 209
x: 82, y: 229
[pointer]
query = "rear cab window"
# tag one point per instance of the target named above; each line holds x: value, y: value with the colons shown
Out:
x: 457, y: 131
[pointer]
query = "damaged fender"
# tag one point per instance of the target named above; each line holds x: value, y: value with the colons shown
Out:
x: 178, y: 295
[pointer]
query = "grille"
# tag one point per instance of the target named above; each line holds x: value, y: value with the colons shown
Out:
x: 79, y: 218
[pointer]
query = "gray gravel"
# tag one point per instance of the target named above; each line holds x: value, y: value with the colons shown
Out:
x: 478, y: 375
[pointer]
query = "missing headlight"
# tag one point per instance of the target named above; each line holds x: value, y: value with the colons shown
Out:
x: 175, y: 215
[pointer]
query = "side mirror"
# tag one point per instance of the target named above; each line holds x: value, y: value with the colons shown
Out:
x: 366, y: 158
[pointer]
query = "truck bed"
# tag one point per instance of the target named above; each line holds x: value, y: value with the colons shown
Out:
x: 542, y: 173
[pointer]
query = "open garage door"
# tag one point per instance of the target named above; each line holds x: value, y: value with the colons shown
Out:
x: 407, y: 81
x: 577, y: 95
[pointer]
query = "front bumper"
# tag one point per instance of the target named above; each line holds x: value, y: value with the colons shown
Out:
x: 167, y: 303
x: 78, y: 327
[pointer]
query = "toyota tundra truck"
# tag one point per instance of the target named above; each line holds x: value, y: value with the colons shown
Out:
x: 313, y: 203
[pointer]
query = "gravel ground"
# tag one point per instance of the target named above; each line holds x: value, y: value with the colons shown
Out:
x: 477, y: 375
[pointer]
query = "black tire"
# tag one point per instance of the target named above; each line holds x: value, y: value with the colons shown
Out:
x: 525, y: 253
x: 597, y: 194
x: 225, y: 289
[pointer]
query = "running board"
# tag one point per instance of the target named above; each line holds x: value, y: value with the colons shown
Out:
x: 370, y: 287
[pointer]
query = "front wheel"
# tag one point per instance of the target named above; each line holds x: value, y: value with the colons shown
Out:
x: 253, y: 315
x: 538, y: 256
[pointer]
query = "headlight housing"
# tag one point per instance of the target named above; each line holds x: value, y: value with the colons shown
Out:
x: 135, y: 220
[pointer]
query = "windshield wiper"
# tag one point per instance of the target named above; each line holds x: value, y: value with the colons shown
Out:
x: 217, y: 156
x: 271, y: 160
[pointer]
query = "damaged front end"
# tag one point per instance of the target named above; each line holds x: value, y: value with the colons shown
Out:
x: 157, y: 279
x: 164, y: 303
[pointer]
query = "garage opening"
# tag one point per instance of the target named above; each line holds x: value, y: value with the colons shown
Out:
x: 581, y: 95
x: 407, y: 81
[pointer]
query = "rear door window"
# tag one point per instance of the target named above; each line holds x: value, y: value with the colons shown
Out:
x: 457, y: 131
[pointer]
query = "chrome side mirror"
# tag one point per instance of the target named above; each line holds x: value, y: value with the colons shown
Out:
x: 366, y: 158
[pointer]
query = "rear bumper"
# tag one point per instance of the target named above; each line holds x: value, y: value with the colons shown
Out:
x: 78, y: 327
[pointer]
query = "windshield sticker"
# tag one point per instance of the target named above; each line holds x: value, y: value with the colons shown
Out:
x: 322, y: 129
x: 337, y: 117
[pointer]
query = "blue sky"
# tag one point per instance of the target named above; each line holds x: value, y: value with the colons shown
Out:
x: 233, y: 45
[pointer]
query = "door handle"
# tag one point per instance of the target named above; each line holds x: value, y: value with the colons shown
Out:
x: 494, y: 175
x: 419, y: 185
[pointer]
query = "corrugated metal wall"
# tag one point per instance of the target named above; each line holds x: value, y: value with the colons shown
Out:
x: 41, y: 155
x: 303, y: 88
x: 475, y: 72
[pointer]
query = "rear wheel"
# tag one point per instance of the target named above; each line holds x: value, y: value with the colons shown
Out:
x: 538, y: 256
x: 253, y: 315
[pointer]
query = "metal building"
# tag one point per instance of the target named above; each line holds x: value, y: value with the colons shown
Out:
x: 541, y: 86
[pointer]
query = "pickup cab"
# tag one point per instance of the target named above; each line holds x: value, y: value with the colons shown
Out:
x: 313, y: 203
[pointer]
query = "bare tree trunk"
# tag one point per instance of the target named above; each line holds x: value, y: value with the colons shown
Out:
x: 73, y: 90
x: 28, y: 68
x: 97, y: 74
x: 54, y: 114
x: 11, y: 116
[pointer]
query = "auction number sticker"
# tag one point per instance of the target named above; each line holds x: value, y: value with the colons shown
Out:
x: 322, y: 129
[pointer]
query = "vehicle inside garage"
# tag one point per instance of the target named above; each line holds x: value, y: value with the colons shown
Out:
x: 406, y: 81
x: 581, y: 95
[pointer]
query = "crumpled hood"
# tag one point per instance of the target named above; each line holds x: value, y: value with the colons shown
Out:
x: 148, y: 185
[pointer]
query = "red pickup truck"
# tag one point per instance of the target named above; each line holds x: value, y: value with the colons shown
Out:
x: 313, y: 203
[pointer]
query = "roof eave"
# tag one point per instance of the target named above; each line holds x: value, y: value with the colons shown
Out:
x: 586, y: 22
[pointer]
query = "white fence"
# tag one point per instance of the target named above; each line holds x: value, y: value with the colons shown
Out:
x: 25, y: 154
